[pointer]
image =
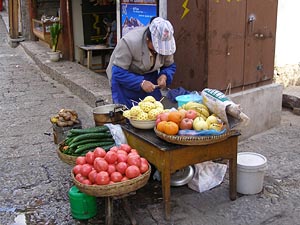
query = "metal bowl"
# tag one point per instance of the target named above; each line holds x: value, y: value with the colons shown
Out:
x: 143, y: 124
x: 182, y: 177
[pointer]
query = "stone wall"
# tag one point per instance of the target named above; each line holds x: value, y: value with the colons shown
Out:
x: 287, y: 75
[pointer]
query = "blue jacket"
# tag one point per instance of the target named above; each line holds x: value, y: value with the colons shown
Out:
x: 126, y: 86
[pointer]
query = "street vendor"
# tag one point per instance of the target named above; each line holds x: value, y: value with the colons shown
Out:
x: 142, y: 63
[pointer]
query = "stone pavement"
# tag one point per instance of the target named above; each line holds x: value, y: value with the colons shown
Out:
x: 35, y: 183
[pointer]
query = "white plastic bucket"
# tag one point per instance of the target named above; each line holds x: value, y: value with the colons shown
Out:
x: 251, y: 169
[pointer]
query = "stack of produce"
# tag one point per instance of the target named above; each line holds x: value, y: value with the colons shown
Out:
x: 81, y: 141
x: 119, y: 164
x: 146, y: 109
x: 188, y: 119
x: 65, y: 117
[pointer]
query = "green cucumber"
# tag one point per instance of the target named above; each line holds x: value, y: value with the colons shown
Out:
x: 89, y: 130
x: 81, y: 148
x: 86, y: 151
x: 68, y: 140
x: 91, y: 136
x: 85, y: 141
x: 107, y: 147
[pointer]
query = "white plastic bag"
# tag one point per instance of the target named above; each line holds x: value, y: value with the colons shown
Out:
x: 117, y: 133
x: 207, y: 176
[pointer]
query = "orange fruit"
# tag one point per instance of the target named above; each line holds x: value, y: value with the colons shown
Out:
x: 175, y: 117
x: 171, y: 128
x: 161, y: 126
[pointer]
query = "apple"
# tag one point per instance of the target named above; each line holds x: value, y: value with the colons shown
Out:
x: 199, y: 124
x: 157, y: 121
x: 186, y: 124
x: 191, y: 114
x: 163, y: 116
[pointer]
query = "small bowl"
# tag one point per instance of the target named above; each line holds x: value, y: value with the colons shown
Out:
x: 143, y: 124
x: 183, y: 99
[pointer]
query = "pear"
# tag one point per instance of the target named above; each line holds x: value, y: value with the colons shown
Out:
x: 199, y: 124
x: 211, y: 119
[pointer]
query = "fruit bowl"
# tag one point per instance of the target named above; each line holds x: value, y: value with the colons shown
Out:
x: 142, y: 124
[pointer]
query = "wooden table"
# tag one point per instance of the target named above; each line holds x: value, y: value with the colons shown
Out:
x: 105, y: 50
x: 167, y: 157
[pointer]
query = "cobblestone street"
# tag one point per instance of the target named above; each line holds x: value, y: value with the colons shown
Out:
x: 35, y: 182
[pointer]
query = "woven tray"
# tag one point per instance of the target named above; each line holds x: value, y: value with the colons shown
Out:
x: 116, y: 189
x: 193, y: 140
x: 69, y: 159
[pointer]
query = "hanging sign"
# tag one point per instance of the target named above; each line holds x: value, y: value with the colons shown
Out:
x: 136, y: 13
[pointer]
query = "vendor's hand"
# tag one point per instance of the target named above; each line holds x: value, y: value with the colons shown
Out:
x: 162, y: 81
x: 147, y: 86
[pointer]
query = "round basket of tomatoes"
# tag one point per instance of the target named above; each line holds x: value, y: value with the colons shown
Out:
x: 119, y: 171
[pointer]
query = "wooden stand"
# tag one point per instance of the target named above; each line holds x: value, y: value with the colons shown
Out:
x: 109, y: 209
x: 168, y: 158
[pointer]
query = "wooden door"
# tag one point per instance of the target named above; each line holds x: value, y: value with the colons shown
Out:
x: 260, y: 41
x: 189, y: 30
x: 225, y: 43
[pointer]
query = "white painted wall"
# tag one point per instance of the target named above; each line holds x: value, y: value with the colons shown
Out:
x: 287, y: 51
x: 77, y: 26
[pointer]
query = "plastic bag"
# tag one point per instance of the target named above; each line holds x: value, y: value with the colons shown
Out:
x: 117, y: 133
x: 207, y: 176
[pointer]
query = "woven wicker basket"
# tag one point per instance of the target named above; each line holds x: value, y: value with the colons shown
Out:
x: 115, y: 189
x: 193, y: 140
x: 69, y: 159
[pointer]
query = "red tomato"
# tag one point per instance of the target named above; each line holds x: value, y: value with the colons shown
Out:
x: 122, y: 157
x: 116, y: 176
x: 92, y: 176
x: 144, y: 167
x: 80, y: 160
x: 90, y: 157
x: 122, y: 151
x: 134, y: 159
x: 132, y: 171
x: 99, y: 152
x: 111, y: 157
x: 125, y: 147
x: 143, y: 160
x: 85, y: 169
x: 77, y: 169
x: 102, y: 178
x: 134, y: 151
x: 79, y: 177
x: 114, y: 149
x: 124, y: 178
x: 111, y: 168
x: 87, y: 182
x: 121, y: 167
x: 100, y: 164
